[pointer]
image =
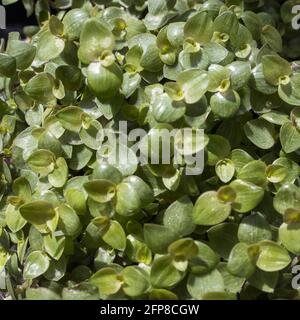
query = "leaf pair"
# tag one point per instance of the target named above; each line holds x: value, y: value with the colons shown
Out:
x: 215, y: 207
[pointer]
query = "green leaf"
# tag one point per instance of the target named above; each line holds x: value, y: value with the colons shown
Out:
x: 115, y: 236
x: 226, y: 22
x: 95, y: 38
x: 276, y: 173
x: 158, y: 237
x: 240, y: 73
x: 73, y: 22
x: 189, y: 142
x: 100, y: 190
x: 261, y: 133
x: 254, y: 228
x: 210, y: 210
x: 183, y: 249
x: 58, y: 177
x: 291, y: 216
x: 23, y: 52
x: 276, y: 117
x: 57, y: 269
x: 35, y: 238
x: 41, y: 294
x: 233, y: 284
x: 81, y: 273
x: 68, y: 222
x: 253, y: 23
x: 133, y: 194
x: 194, y: 84
x: 40, y: 87
x: 288, y: 91
x: 38, y: 212
x: 36, y: 264
x: 225, y: 170
x: 108, y: 172
x: 199, y: 285
x: 13, y: 219
x: 271, y: 37
x: 70, y: 118
x: 289, y: 137
x: 199, y: 27
x: 136, y: 281
x: 159, y: 13
x: 165, y: 110
x: 205, y: 260
x: 77, y: 200
x: 240, y: 263
x: 4, y: 257
x: 271, y: 256
x: 150, y: 59
x: 292, y: 169
x: 162, y: 294
x: 248, y: 195
x: 288, y: 196
x: 49, y: 47
x: 130, y: 84
x: 219, y: 296
x: 259, y: 83
x: 219, y: 78
x: 133, y: 58
x: 104, y: 81
x: 216, y: 52
x: 70, y: 76
x: 222, y: 238
x: 81, y: 155
x: 264, y: 281
x: 254, y: 172
x: 225, y: 104
x: 124, y: 158
x: 178, y: 217
x: 83, y: 291
x: 56, y: 26
x: 289, y: 236
x: 275, y: 69
x: 107, y: 281
x: 164, y: 274
x: 42, y: 161
x: 54, y: 245
x: 22, y: 188
x: 295, y: 117
x: 47, y: 141
x: 95, y: 230
x: 8, y: 65
x: 90, y: 134
x: 218, y: 148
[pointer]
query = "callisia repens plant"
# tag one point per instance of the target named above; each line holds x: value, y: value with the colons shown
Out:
x: 76, y: 223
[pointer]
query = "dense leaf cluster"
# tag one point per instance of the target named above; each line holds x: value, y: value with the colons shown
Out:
x: 74, y: 226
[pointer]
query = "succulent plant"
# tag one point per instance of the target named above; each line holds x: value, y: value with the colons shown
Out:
x: 129, y: 230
